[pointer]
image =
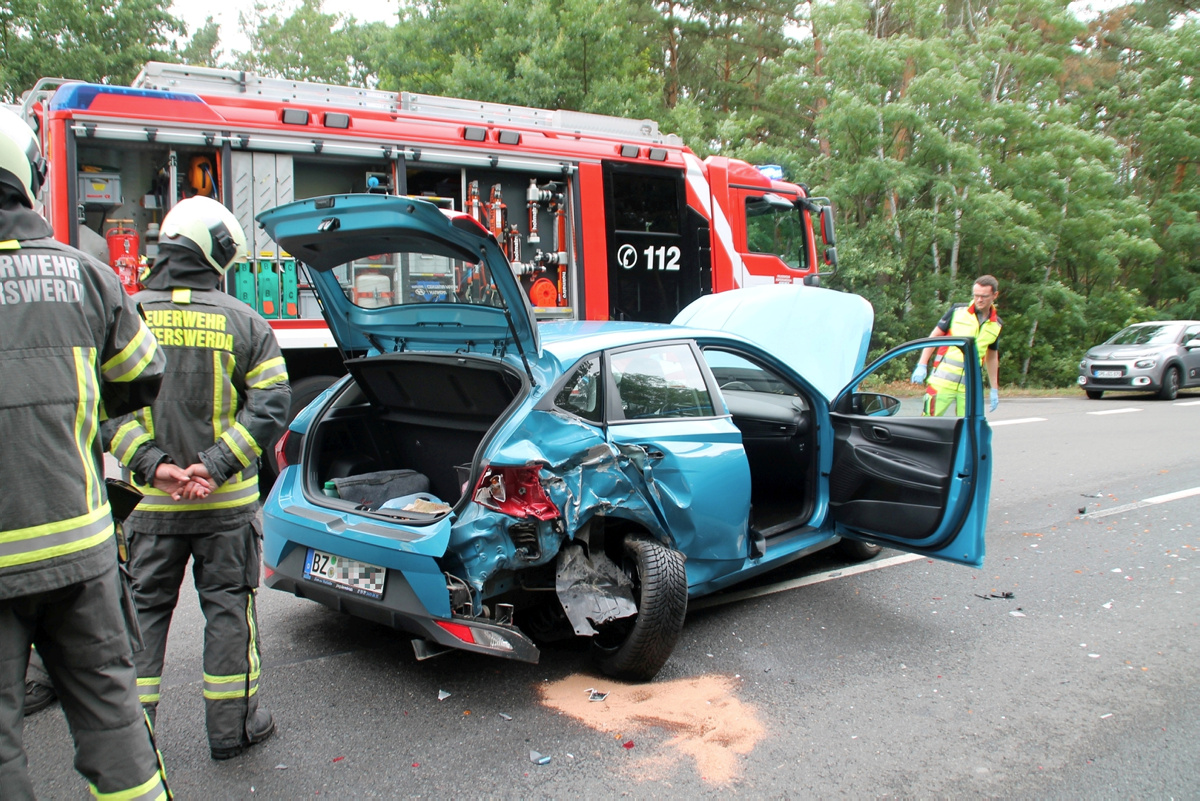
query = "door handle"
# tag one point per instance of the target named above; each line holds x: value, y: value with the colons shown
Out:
x: 880, y: 433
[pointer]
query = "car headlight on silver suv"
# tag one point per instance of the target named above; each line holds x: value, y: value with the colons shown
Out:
x: 1083, y: 364
x: 1144, y: 364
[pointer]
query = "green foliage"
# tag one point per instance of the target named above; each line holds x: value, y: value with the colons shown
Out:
x: 91, y: 40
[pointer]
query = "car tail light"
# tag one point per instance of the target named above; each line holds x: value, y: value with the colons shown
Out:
x: 477, y: 636
x: 267, y: 571
x: 515, y: 491
x: 287, y: 450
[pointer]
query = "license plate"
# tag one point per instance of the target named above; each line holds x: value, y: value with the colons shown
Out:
x: 1108, y: 374
x: 350, y: 575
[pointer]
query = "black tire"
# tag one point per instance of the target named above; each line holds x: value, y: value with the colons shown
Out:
x: 635, y: 649
x: 304, y: 392
x: 1170, y: 384
x: 1094, y: 394
x: 857, y: 551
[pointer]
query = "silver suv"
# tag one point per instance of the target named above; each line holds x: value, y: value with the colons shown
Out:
x: 1160, y: 357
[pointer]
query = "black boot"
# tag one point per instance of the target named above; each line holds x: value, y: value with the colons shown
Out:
x: 262, y: 728
x: 38, y: 697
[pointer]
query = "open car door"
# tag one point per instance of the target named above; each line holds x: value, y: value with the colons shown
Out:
x: 906, y: 480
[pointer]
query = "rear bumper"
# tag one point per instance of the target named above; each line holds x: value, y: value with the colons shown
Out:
x: 401, y: 609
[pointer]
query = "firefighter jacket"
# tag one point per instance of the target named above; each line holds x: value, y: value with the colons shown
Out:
x: 224, y: 398
x: 947, y: 372
x: 72, y: 345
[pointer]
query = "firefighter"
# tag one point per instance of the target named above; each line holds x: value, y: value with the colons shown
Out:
x: 224, y: 396
x: 73, y: 348
x: 945, y: 387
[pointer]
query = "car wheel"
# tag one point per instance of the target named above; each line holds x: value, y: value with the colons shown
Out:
x: 304, y: 392
x: 1094, y: 394
x: 1170, y: 384
x: 635, y: 649
x: 857, y: 551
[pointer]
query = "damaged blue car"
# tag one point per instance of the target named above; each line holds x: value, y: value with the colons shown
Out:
x: 488, y: 483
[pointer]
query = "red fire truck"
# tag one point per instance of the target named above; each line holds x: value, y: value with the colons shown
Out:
x: 602, y: 217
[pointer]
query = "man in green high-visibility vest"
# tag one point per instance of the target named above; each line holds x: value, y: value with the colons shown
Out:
x: 945, y: 387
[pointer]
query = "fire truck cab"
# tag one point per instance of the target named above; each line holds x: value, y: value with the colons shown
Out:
x: 601, y: 217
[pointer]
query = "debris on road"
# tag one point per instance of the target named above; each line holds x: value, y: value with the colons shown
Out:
x: 506, y: 716
x: 538, y: 759
x: 628, y: 744
x: 595, y: 695
x: 1017, y: 613
x: 443, y: 695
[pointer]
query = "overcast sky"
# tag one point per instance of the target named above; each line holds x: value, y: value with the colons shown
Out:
x: 225, y: 14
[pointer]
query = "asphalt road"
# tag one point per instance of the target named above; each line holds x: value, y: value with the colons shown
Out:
x: 911, y: 679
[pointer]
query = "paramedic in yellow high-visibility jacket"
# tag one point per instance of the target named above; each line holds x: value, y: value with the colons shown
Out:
x: 945, y: 389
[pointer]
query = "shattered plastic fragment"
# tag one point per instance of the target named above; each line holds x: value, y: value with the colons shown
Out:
x: 338, y: 759
x: 628, y: 744
x: 506, y: 717
x: 538, y: 759
x: 443, y: 695
x: 595, y: 695
x: 1106, y: 715
x: 1015, y: 613
x: 281, y: 767
x: 1107, y: 605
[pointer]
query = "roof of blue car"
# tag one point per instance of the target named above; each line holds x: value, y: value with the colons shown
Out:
x: 568, y: 341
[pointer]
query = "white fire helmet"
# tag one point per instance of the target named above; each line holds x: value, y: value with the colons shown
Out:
x: 208, y: 229
x: 21, y: 164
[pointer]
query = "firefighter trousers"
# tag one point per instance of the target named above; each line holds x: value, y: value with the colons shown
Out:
x: 82, y: 637
x: 226, y: 570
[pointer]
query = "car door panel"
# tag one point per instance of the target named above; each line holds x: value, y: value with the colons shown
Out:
x: 914, y: 482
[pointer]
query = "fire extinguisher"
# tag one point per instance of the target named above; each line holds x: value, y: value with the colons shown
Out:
x: 123, y: 245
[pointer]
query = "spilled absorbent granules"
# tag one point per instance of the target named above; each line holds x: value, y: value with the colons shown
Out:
x: 703, y: 717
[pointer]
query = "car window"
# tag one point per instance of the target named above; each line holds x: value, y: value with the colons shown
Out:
x: 407, y: 278
x: 735, y: 372
x: 581, y: 394
x: 660, y: 382
x: 1159, y: 334
x: 1193, y: 332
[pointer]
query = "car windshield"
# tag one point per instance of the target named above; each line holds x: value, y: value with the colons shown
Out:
x: 398, y: 279
x: 1159, y: 334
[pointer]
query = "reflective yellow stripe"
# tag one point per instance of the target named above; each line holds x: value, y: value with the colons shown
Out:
x: 127, y: 440
x: 227, y: 496
x: 272, y: 371
x: 146, y: 415
x: 240, y: 441
x: 153, y: 685
x: 181, y: 296
x: 37, y: 543
x: 133, y: 358
x: 152, y: 788
x: 10, y: 244
x: 85, y: 421
x: 252, y: 657
x: 221, y: 688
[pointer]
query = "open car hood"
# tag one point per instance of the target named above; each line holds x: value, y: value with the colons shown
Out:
x: 327, y: 232
x: 821, y: 334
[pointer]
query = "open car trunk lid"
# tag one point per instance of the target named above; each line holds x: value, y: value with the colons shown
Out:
x: 398, y: 273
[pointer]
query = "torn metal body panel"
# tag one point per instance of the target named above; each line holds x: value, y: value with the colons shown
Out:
x: 592, y: 589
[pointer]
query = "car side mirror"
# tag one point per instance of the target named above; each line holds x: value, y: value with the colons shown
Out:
x: 874, y: 404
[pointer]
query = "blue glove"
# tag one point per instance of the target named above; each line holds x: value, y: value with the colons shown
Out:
x: 919, y: 374
x: 993, y: 400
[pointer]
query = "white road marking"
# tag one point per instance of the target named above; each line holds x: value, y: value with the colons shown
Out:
x: 1018, y: 420
x: 1125, y: 410
x: 816, y: 578
x: 1157, y: 499
x: 1187, y: 403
